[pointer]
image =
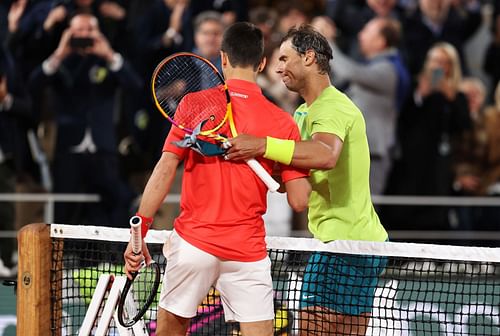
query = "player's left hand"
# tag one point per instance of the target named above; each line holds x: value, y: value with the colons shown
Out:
x: 245, y: 147
x: 133, y: 262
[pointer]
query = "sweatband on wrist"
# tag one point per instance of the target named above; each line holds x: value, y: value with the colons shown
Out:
x: 145, y: 224
x: 279, y: 150
x: 116, y: 62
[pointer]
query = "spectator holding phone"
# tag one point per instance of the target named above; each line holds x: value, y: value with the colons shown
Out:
x: 86, y: 74
x: 433, y: 122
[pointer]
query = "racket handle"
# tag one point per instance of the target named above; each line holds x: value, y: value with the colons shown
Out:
x: 271, y: 184
x: 135, y: 234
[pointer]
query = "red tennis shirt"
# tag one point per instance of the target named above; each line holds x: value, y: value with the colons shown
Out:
x: 222, y: 202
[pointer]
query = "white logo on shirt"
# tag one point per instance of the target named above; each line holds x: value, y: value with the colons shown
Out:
x: 236, y: 94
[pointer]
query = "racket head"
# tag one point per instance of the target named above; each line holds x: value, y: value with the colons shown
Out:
x: 138, y: 294
x: 188, y: 90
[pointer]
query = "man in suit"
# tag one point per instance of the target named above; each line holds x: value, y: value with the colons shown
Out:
x: 86, y: 75
x: 378, y: 87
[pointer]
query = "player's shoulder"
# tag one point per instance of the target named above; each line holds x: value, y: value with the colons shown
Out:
x: 333, y: 99
x: 332, y: 95
x: 271, y: 108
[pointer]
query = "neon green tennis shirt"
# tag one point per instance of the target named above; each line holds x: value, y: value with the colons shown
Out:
x: 340, y: 205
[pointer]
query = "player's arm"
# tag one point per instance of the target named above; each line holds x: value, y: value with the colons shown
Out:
x: 159, y: 184
x: 297, y: 193
x: 321, y: 152
x: 154, y: 194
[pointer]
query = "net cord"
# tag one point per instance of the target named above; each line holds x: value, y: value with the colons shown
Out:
x: 410, y: 250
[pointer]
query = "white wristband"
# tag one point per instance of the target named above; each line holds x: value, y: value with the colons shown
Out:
x: 50, y: 66
x: 173, y: 35
x: 7, y: 102
x: 116, y: 62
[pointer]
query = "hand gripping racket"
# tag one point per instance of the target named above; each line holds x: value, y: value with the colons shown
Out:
x: 140, y: 292
x: 190, y: 92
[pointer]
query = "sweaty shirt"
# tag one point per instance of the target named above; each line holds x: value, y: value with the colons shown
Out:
x: 222, y: 202
x: 340, y: 205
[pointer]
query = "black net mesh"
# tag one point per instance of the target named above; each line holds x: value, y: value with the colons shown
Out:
x: 315, y: 293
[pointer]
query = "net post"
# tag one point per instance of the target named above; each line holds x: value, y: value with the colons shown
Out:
x: 33, y: 289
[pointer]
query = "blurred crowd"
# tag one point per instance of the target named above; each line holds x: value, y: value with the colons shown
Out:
x: 76, y: 114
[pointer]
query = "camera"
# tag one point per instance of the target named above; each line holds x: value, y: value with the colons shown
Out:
x: 81, y: 42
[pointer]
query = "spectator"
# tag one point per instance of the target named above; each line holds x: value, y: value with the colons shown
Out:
x: 86, y: 73
x: 208, y: 29
x: 433, y: 122
x: 35, y: 27
x: 479, y: 170
x: 4, y: 12
x: 231, y: 10
x: 15, y: 116
x: 351, y: 16
x: 439, y: 20
x: 380, y: 104
x: 112, y: 17
x: 164, y: 29
x: 292, y: 14
x: 265, y: 19
x: 491, y: 65
x: 22, y: 35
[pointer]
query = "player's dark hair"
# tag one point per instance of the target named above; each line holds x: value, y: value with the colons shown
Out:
x: 306, y: 38
x: 243, y: 43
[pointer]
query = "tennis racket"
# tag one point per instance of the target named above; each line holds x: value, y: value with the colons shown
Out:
x: 190, y: 92
x: 140, y: 291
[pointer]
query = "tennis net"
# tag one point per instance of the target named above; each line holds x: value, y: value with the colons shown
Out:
x: 423, y: 289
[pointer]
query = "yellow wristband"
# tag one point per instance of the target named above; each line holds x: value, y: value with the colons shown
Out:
x: 279, y: 150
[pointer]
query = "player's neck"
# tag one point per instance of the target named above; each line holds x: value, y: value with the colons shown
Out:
x: 314, y: 86
x: 247, y: 74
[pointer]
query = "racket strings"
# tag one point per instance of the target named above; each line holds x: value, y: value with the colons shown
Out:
x: 140, y: 294
x: 189, y: 92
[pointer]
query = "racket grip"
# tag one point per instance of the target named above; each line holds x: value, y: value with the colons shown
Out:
x: 135, y: 234
x: 271, y: 184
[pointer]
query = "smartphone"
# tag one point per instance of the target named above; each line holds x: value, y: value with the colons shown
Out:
x: 81, y: 42
x: 436, y: 77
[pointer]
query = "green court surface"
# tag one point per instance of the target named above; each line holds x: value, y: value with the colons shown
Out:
x: 7, y: 311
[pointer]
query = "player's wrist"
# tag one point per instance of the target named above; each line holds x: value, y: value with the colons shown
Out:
x: 279, y: 150
x: 145, y: 224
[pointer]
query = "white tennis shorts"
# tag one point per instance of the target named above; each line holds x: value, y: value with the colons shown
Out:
x: 245, y: 288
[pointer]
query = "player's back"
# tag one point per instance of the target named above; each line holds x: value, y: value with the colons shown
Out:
x: 222, y: 202
x: 255, y: 114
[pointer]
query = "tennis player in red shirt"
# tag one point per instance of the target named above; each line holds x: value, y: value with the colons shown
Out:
x: 219, y: 236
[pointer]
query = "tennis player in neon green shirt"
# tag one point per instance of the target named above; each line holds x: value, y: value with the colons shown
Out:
x: 337, y: 292
x: 340, y: 205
